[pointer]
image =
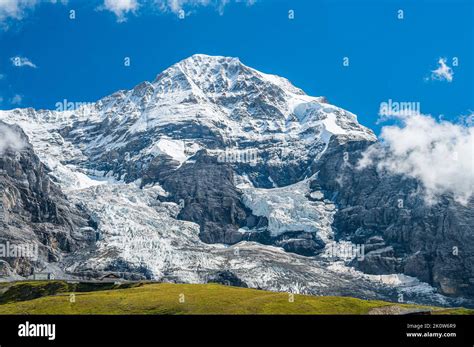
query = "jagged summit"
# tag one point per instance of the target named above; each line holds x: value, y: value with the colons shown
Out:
x: 197, y: 63
x: 214, y: 102
x: 214, y: 89
x: 219, y: 74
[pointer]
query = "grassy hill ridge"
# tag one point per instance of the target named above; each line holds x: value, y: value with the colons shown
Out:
x: 60, y: 297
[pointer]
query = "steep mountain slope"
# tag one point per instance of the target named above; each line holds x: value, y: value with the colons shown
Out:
x: 217, y: 172
x: 402, y: 233
x: 204, y: 114
x: 37, y: 220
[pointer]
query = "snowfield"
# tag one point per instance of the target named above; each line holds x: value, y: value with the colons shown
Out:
x: 289, y: 209
x: 137, y: 229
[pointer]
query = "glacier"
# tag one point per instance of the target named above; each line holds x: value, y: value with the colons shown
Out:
x: 101, y: 153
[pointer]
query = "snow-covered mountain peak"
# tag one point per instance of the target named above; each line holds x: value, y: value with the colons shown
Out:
x: 217, y: 75
x: 211, y: 152
x: 202, y: 102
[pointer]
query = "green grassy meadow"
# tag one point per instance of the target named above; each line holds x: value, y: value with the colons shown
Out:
x: 60, y: 297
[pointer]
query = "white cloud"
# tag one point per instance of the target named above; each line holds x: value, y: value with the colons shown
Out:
x: 175, y: 6
x: 120, y: 8
x: 438, y: 153
x: 18, y: 9
x: 16, y: 100
x: 22, y: 61
x: 399, y: 109
x: 443, y: 72
x: 9, y: 139
x: 468, y: 119
x: 15, y: 9
x: 123, y: 7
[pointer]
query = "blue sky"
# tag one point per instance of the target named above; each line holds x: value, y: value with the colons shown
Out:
x: 82, y: 59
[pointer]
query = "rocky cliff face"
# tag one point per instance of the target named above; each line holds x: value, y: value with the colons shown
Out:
x: 35, y: 215
x: 401, y: 232
x: 217, y: 172
x: 208, y: 196
x: 201, y: 125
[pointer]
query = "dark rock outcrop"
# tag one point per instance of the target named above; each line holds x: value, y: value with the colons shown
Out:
x: 400, y: 230
x: 227, y: 278
x: 299, y: 242
x: 35, y: 214
x: 206, y: 192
